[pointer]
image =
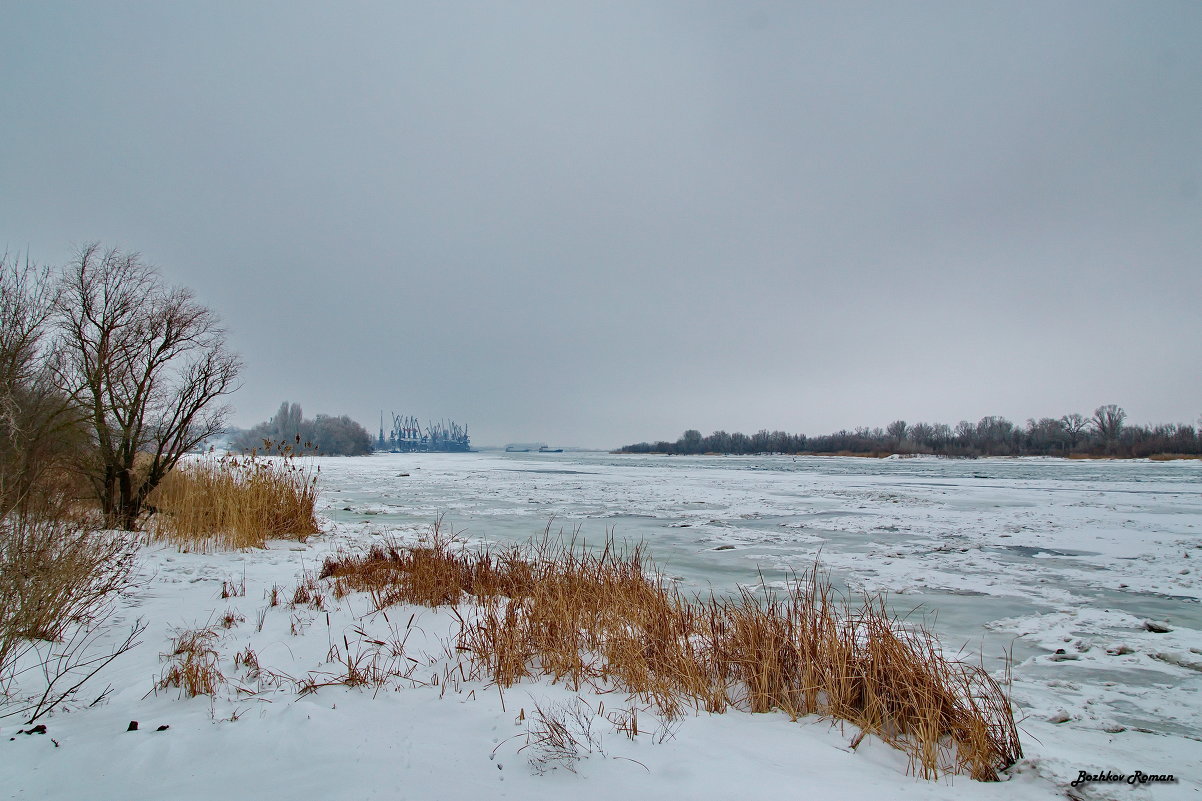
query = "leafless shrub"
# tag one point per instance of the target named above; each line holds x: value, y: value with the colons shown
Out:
x: 625, y: 721
x: 560, y: 735
x: 62, y: 668
x: 58, y: 581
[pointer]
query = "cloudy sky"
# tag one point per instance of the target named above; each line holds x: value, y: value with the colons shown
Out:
x: 593, y: 223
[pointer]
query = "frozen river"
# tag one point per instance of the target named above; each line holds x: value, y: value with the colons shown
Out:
x: 1026, y: 556
x: 1066, y: 566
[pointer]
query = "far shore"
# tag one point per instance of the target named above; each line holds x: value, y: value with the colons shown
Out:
x: 1155, y: 457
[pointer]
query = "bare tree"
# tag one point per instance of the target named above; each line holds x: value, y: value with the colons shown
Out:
x: 922, y: 434
x: 35, y: 418
x: 1108, y: 420
x: 1046, y: 434
x: 1075, y: 425
x: 146, y: 365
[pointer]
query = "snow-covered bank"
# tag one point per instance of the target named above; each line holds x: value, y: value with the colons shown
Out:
x: 433, y: 736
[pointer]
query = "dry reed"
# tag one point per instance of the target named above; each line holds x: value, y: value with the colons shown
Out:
x: 235, y: 502
x: 193, y: 664
x: 605, y: 619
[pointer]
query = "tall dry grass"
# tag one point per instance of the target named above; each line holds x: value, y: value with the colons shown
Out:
x: 235, y: 502
x: 604, y: 618
x: 193, y: 665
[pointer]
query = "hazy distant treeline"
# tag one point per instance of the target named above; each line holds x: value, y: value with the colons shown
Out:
x: 1106, y: 433
x: 325, y: 434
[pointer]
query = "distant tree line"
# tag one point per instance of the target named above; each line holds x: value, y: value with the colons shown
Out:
x: 1105, y: 434
x: 325, y: 434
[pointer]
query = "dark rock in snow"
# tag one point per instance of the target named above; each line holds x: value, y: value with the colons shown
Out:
x: 1156, y: 627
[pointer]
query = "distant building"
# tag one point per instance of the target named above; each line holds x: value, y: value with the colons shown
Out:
x: 410, y: 436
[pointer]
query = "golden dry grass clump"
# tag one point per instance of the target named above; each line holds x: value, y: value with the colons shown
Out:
x: 603, y: 618
x: 193, y: 664
x: 235, y: 502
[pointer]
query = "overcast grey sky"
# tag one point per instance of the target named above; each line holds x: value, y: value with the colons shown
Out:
x: 598, y: 223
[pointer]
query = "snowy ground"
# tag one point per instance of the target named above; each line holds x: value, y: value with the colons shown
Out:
x: 1030, y: 556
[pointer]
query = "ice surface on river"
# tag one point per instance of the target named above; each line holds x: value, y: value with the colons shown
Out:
x: 1030, y: 556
